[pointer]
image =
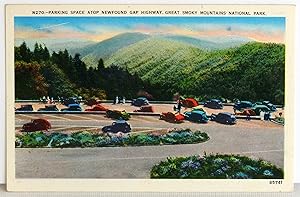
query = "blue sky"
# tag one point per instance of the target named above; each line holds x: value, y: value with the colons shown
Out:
x: 266, y: 29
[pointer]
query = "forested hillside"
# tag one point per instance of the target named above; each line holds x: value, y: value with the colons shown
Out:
x: 253, y: 71
x: 159, y: 66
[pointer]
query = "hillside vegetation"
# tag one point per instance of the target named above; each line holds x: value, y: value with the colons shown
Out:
x: 90, y: 54
x: 208, y: 44
x: 253, y: 71
x: 155, y: 64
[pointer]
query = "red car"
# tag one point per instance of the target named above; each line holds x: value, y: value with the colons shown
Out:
x: 97, y: 108
x: 147, y: 108
x: 37, y: 125
x: 189, y: 103
x: 172, y: 117
x: 247, y: 112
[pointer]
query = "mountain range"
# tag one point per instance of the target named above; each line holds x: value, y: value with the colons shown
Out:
x: 91, y: 51
x: 106, y: 49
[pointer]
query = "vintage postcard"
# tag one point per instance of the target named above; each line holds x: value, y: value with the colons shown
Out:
x: 165, y: 98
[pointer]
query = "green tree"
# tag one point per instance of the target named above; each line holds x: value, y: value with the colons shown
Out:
x: 81, y: 71
x: 23, y: 53
x: 29, y: 83
x: 57, y: 82
x: 100, y: 66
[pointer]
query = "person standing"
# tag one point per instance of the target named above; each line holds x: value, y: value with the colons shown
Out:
x: 247, y: 115
x: 262, y: 115
x: 117, y: 99
x: 179, y: 105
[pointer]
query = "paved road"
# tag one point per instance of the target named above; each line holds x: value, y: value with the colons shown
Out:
x: 98, y: 121
x: 257, y: 139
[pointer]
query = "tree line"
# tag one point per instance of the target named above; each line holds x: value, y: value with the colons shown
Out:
x: 39, y: 73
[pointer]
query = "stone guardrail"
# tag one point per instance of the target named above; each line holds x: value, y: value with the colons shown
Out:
x: 103, y: 113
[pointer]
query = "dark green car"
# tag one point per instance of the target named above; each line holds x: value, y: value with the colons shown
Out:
x: 271, y: 106
x: 259, y: 108
x: 196, y: 115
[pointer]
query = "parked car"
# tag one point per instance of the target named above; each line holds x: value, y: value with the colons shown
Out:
x: 71, y: 100
x: 37, y: 125
x: 247, y: 112
x: 116, y: 114
x: 214, y: 104
x: 147, y: 108
x: 92, y: 102
x: 72, y: 107
x: 97, y: 107
x: 271, y: 106
x: 140, y: 102
x: 224, y: 118
x: 118, y: 126
x: 189, y: 103
x: 172, y: 117
x: 25, y: 108
x: 259, y: 108
x: 196, y: 116
x: 49, y: 108
x: 242, y: 105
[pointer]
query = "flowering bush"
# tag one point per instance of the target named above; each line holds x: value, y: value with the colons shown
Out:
x: 86, y: 139
x: 216, y: 167
x: 279, y: 120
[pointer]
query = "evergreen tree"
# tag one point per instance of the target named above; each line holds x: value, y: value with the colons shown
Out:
x: 100, y: 66
x: 23, y: 53
x: 80, y: 70
x: 46, y: 54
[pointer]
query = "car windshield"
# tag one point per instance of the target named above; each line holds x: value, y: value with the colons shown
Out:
x: 141, y: 98
x: 120, y: 121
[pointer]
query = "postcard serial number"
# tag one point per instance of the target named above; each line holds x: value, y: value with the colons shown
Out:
x: 275, y: 182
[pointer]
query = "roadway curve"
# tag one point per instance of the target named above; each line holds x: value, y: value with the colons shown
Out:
x: 253, y: 138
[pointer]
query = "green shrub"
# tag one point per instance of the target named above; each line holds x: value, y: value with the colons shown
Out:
x: 279, y: 120
x: 86, y: 139
x: 36, y: 139
x: 216, y: 167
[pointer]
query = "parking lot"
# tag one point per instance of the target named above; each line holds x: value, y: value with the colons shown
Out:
x: 255, y: 138
x: 158, y: 108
